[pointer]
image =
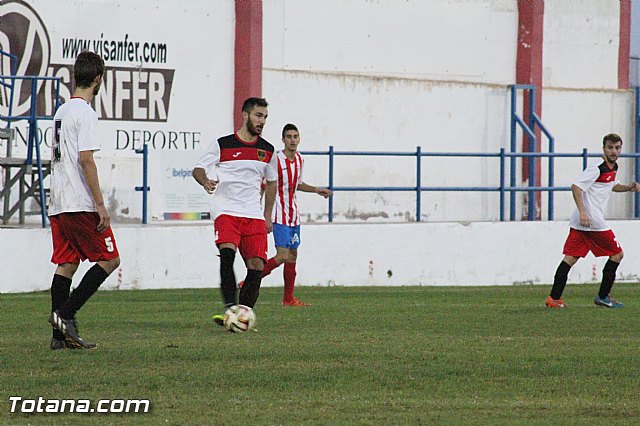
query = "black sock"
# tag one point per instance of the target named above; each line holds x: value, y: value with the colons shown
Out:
x: 251, y: 288
x: 227, y: 276
x: 88, y: 286
x: 560, y: 280
x: 60, y: 288
x: 608, y: 277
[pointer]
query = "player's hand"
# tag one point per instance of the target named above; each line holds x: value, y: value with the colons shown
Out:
x: 634, y: 187
x: 269, y: 223
x: 209, y: 185
x: 105, y: 220
x: 585, y: 220
x: 325, y: 192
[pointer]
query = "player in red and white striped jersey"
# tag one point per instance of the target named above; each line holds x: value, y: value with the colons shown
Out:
x: 80, y: 223
x: 286, y: 216
x: 588, y: 229
x: 232, y: 170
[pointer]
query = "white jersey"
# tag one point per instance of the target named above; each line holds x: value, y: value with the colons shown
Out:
x: 285, y: 210
x: 238, y: 167
x: 75, y: 125
x: 597, y: 182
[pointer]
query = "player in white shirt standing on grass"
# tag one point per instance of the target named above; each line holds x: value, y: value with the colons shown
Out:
x: 286, y: 217
x: 232, y: 170
x: 588, y: 229
x: 80, y: 223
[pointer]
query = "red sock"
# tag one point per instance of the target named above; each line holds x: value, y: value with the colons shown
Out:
x: 289, y: 281
x: 269, y: 266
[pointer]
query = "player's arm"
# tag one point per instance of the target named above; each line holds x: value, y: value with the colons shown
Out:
x: 90, y: 173
x: 325, y: 192
x: 632, y: 187
x: 585, y: 220
x: 200, y: 175
x: 269, y: 200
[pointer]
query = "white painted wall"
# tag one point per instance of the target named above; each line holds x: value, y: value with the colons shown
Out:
x: 350, y: 79
x: 479, y: 253
x: 427, y: 40
x: 581, y: 42
x: 372, y: 75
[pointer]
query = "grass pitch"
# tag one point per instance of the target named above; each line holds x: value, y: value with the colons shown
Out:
x: 409, y: 355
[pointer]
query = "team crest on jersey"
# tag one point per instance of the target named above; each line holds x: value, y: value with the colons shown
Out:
x: 262, y: 155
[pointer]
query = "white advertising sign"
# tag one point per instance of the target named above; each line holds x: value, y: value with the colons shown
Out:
x: 169, y: 77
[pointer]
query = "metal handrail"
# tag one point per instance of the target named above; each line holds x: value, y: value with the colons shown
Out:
x: 418, y: 188
x: 33, y: 118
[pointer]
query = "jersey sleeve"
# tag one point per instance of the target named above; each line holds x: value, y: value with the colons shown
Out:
x: 271, y: 173
x: 301, y: 168
x: 211, y: 157
x: 88, y: 131
x: 588, y: 177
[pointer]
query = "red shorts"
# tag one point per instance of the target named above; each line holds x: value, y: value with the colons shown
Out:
x: 600, y: 243
x: 249, y: 235
x: 75, y: 238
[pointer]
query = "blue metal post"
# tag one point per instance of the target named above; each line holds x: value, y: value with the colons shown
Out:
x: 585, y: 158
x: 32, y: 124
x: 551, y: 178
x: 512, y: 164
x: 532, y: 160
x: 418, y: 183
x: 636, y: 160
x: 501, y: 184
x: 43, y: 201
x: 145, y: 180
x: 33, y: 143
x: 331, y: 183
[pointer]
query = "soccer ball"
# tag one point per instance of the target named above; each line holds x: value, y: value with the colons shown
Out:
x: 239, y: 318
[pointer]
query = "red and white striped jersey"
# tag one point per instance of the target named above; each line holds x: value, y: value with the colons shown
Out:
x: 285, y: 210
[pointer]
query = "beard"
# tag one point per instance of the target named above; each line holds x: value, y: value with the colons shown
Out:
x: 255, y: 131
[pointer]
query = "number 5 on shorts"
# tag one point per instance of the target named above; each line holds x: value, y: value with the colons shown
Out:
x: 109, y: 244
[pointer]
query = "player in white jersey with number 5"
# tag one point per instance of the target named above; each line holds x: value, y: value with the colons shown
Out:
x: 588, y: 229
x: 286, y: 217
x: 80, y: 223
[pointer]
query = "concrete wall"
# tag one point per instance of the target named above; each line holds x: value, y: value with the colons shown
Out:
x: 480, y: 253
x: 362, y: 75
x: 392, y: 75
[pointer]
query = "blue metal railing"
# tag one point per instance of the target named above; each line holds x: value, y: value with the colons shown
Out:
x: 531, y: 189
x: 530, y: 132
x: 501, y: 188
x: 145, y: 180
x: 33, y: 142
x: 637, y: 140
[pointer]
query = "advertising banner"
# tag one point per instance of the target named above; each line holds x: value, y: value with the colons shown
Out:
x: 168, y: 80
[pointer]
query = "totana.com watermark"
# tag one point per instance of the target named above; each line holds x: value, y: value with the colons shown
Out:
x: 41, y: 405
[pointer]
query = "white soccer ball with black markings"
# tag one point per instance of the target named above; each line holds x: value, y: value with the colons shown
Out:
x: 239, y: 318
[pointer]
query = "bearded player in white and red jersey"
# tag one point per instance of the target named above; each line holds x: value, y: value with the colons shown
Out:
x: 286, y: 217
x: 232, y: 170
x: 588, y: 229
x: 80, y: 223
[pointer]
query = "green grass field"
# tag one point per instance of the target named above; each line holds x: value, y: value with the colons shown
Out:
x: 377, y: 355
